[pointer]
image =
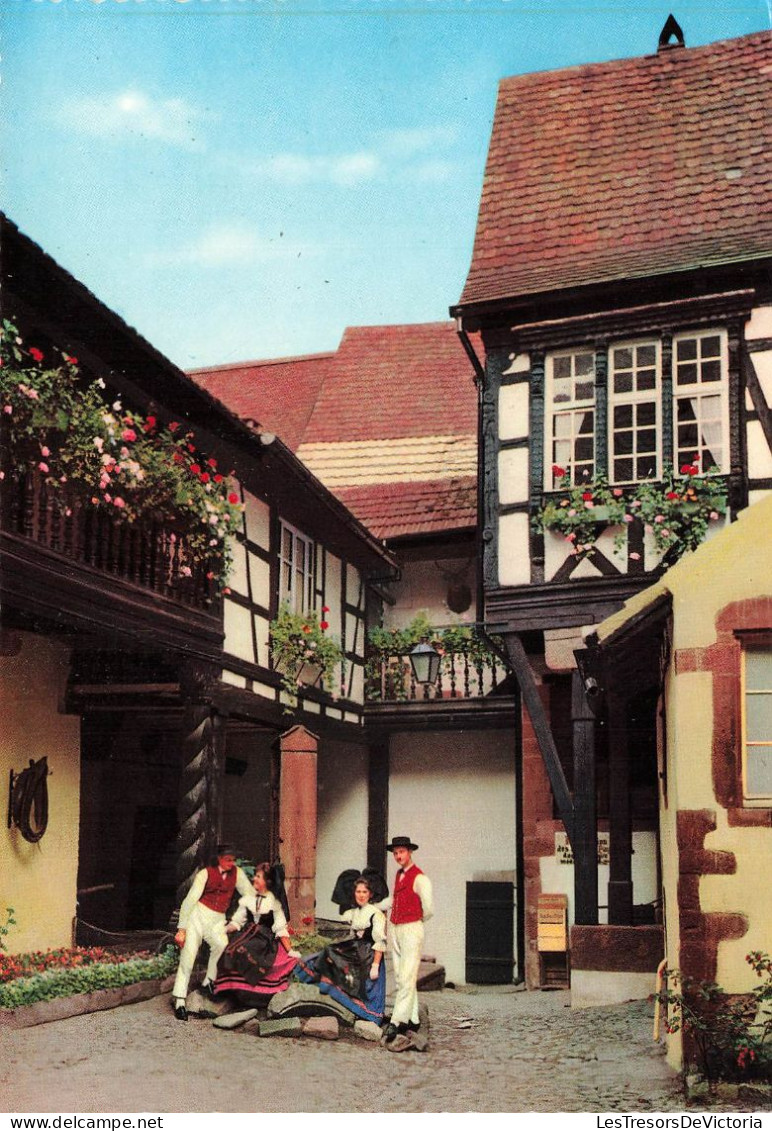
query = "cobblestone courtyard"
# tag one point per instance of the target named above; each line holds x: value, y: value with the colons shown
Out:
x: 520, y: 1052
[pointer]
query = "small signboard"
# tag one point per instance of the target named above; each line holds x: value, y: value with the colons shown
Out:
x: 564, y: 855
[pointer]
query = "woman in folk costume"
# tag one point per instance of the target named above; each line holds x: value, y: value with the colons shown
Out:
x: 259, y: 959
x: 353, y: 970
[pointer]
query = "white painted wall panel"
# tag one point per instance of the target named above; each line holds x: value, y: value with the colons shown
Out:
x: 513, y: 412
x: 257, y: 516
x: 513, y: 476
x: 514, y: 562
x: 454, y: 794
x: 238, y: 631
x: 759, y: 455
x: 759, y: 324
x: 342, y: 817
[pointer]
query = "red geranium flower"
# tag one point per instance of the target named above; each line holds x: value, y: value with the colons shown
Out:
x: 195, y: 469
x: 233, y: 499
x: 558, y: 471
x: 587, y: 496
x: 218, y: 478
x: 35, y: 353
x: 323, y: 624
x: 71, y: 360
x: 211, y: 463
x: 150, y: 423
x: 671, y: 495
x: 204, y: 476
x: 174, y: 425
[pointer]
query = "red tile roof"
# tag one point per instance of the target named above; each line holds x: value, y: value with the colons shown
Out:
x: 383, y: 383
x: 391, y: 382
x: 394, y: 510
x: 627, y: 169
x: 279, y: 394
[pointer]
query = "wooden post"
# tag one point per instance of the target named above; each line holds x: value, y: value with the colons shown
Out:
x: 620, y: 887
x: 378, y: 804
x: 298, y: 818
x: 196, y: 836
x: 584, y: 842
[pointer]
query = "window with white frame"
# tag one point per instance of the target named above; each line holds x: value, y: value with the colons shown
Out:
x: 634, y: 408
x: 571, y: 392
x: 634, y: 411
x: 700, y: 402
x: 757, y: 723
x: 296, y: 570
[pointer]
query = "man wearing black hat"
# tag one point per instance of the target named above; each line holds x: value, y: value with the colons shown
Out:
x: 411, y: 904
x: 202, y: 919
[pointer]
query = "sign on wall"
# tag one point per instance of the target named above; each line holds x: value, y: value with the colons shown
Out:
x: 564, y: 855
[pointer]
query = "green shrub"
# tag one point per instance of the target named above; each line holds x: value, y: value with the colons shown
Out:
x: 98, y: 976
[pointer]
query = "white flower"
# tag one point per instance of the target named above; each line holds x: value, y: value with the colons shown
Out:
x: 100, y: 382
x: 98, y: 443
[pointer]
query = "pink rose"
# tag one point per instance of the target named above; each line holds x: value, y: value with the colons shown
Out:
x: 617, y: 492
x: 8, y: 408
x: 43, y: 466
x: 128, y: 434
x: 45, y: 452
x: 119, y: 503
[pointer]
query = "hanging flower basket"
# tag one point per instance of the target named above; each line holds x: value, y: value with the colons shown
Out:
x: 302, y: 651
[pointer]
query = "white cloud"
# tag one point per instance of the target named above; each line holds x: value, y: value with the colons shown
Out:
x: 394, y: 153
x: 132, y: 113
x: 409, y: 142
x: 228, y: 245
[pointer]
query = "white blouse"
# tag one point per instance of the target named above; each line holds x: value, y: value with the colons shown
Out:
x: 261, y: 905
x: 360, y: 918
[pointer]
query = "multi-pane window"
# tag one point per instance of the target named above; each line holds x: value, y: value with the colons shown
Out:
x: 634, y: 409
x: 757, y: 722
x: 296, y: 570
x: 634, y: 399
x: 572, y: 439
x: 700, y: 402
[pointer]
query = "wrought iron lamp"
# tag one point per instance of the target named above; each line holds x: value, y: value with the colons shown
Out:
x: 425, y: 662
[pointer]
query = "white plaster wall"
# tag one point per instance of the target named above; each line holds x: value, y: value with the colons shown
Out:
x: 513, y: 412
x: 257, y: 516
x: 513, y: 476
x: 557, y: 878
x: 423, y: 587
x: 759, y: 455
x: 454, y: 794
x: 759, y: 325
x: 762, y: 363
x: 40, y: 880
x: 238, y: 631
x: 342, y: 817
x: 514, y: 560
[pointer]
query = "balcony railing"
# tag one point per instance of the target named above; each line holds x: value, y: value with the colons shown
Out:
x: 146, y: 553
x: 463, y: 675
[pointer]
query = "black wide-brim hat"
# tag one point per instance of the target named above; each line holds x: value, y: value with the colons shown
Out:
x: 401, y: 842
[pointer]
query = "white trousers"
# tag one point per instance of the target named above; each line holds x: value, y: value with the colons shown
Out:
x: 204, y: 925
x: 407, y: 942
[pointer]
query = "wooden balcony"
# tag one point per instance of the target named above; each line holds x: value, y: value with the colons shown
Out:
x: 62, y: 553
x: 469, y: 684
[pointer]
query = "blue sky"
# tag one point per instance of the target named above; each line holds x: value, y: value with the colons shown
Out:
x: 245, y: 178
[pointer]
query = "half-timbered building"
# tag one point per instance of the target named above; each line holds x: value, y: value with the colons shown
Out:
x: 388, y: 421
x: 153, y: 697
x: 620, y: 285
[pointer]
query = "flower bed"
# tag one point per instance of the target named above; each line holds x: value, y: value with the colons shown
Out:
x: 29, y: 979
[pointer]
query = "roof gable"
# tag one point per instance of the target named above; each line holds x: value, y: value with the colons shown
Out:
x: 626, y: 169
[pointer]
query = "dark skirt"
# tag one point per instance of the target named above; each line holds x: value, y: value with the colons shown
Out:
x: 341, y: 971
x: 254, y: 963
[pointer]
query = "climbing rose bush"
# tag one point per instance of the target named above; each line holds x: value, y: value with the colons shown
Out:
x: 56, y: 421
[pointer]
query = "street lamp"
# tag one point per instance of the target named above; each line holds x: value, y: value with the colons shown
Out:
x: 425, y: 662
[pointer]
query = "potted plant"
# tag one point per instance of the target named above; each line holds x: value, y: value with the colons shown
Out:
x: 576, y: 510
x: 302, y: 651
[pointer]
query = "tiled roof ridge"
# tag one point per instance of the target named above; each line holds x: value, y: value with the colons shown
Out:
x: 291, y: 359
x: 672, y: 53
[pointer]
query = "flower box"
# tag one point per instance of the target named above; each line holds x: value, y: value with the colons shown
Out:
x: 57, y: 1009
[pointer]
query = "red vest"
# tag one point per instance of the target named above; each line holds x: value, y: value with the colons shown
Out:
x: 406, y: 906
x: 219, y: 889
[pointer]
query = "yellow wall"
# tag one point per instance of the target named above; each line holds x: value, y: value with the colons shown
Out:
x: 732, y: 567
x: 39, y: 880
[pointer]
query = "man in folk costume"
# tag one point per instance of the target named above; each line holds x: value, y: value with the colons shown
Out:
x: 202, y: 919
x: 411, y: 905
